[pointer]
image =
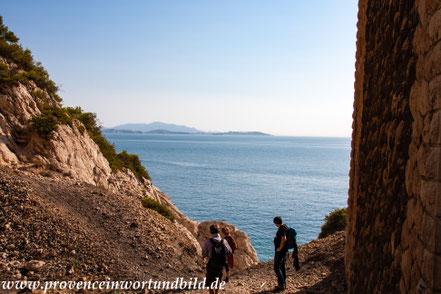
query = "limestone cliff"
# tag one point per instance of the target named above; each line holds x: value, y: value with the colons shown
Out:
x: 69, y: 152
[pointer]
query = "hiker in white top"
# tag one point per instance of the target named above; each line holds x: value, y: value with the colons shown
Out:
x: 216, y: 250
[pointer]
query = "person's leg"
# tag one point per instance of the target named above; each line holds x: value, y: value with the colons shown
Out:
x: 283, y: 269
x: 227, y: 273
x: 278, y: 270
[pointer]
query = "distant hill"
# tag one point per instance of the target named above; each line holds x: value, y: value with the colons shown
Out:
x: 164, y: 128
x: 155, y: 126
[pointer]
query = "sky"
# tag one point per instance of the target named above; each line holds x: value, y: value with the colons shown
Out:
x: 282, y: 67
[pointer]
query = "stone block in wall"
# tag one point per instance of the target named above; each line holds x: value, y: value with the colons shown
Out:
x: 435, y: 93
x: 432, y: 6
x: 435, y: 128
x: 429, y: 163
x: 420, y: 44
x: 432, y: 62
x: 406, y: 266
x: 428, y: 268
x: 426, y: 129
x: 428, y: 233
x: 419, y: 99
x: 434, y: 29
x: 430, y: 191
x: 415, y: 277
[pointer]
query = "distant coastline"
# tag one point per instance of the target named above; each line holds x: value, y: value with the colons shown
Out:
x: 170, y: 129
x: 167, y: 132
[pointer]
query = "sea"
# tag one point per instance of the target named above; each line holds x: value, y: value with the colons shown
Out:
x: 248, y: 180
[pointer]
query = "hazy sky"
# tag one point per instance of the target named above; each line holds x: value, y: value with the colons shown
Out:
x: 284, y: 67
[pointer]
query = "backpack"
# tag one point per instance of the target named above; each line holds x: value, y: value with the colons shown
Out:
x: 291, y: 241
x: 231, y: 242
x: 217, y: 259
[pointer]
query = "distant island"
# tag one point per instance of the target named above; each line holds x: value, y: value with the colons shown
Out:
x: 242, y: 133
x: 170, y: 129
x: 156, y: 127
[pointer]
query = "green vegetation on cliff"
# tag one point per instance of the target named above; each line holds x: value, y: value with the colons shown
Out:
x: 158, y: 207
x: 18, y: 66
x: 334, y: 221
x: 48, y: 120
x: 26, y: 69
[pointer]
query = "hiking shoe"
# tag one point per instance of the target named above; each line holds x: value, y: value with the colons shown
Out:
x: 279, y: 289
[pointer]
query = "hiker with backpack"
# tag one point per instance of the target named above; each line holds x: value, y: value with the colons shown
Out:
x: 281, y: 248
x: 232, y: 243
x: 217, y: 251
x: 285, y: 239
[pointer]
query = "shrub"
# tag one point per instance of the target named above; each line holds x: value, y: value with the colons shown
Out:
x: 31, y: 70
x: 108, y: 150
x: 39, y: 94
x: 49, y: 119
x: 334, y: 221
x: 158, y: 207
x: 81, y: 129
x: 132, y: 162
x: 45, y: 123
x: 6, y: 77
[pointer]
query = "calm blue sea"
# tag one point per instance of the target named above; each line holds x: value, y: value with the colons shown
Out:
x: 247, y: 180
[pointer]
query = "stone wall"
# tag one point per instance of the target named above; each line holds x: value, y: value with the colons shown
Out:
x: 393, y: 239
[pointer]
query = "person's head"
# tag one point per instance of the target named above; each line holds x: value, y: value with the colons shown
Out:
x: 225, y: 231
x: 214, y: 229
x: 278, y: 221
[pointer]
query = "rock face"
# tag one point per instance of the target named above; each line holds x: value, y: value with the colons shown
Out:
x: 244, y: 256
x: 69, y: 153
x: 393, y: 242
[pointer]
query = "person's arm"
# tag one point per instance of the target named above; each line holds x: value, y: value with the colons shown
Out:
x: 205, y: 249
x: 234, y: 246
x: 228, y: 250
x: 282, y: 244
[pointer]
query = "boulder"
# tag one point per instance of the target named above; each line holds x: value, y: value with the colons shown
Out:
x: 244, y: 256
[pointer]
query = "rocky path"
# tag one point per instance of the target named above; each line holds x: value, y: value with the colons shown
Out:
x: 322, y: 271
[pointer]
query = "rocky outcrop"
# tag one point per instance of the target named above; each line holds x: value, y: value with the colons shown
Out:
x: 70, y: 152
x: 244, y: 256
x: 393, y: 240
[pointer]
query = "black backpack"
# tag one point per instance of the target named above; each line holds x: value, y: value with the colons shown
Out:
x: 217, y: 259
x: 291, y: 241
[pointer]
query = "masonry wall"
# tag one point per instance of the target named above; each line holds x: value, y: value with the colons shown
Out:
x: 394, y: 207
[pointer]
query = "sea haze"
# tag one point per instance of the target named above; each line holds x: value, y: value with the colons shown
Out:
x: 247, y: 180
